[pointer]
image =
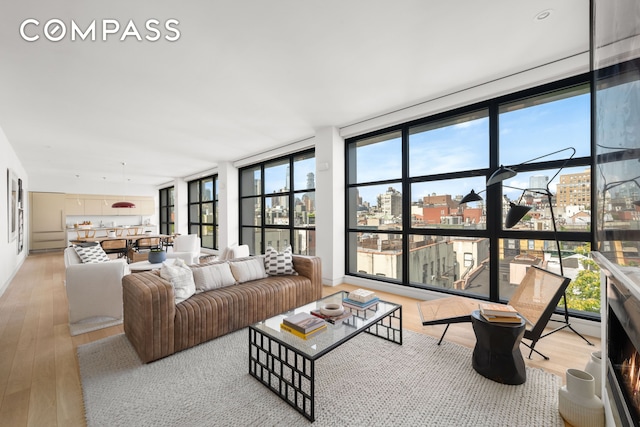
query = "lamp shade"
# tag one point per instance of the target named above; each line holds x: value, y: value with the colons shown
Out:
x: 123, y: 205
x: 500, y: 175
x: 515, y: 214
x: 471, y: 197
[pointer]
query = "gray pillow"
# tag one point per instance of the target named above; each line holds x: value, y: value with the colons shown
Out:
x: 212, y: 276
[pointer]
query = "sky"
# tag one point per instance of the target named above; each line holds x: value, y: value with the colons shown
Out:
x: 525, y: 133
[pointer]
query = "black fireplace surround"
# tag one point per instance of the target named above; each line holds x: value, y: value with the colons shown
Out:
x: 623, y: 346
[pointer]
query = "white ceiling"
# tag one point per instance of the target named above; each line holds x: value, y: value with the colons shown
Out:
x: 246, y: 76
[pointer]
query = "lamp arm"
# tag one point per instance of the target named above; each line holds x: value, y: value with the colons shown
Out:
x: 551, y: 154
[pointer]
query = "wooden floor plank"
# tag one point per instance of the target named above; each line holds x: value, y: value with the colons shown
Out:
x: 39, y: 375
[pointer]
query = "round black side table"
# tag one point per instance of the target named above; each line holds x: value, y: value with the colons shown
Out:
x: 497, y: 352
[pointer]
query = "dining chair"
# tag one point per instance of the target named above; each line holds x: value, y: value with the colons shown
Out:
x: 115, y: 246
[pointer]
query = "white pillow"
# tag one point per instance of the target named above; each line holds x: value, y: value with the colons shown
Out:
x: 181, y: 278
x: 277, y: 264
x: 247, y: 270
x: 212, y: 276
x: 91, y: 254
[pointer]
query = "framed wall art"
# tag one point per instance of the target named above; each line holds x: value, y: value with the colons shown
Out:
x: 12, y: 205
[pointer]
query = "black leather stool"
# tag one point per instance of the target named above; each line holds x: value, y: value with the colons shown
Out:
x: 497, y: 352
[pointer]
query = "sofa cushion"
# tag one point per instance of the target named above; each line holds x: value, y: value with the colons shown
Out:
x: 91, y: 254
x: 248, y: 269
x: 181, y: 278
x: 279, y: 263
x: 212, y: 276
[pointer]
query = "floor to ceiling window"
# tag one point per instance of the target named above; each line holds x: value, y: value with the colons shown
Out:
x: 167, y: 206
x: 203, y: 210
x: 277, y: 204
x: 405, y: 222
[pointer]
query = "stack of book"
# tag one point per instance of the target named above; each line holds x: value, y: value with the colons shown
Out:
x: 499, y: 313
x: 361, y: 299
x: 303, y: 325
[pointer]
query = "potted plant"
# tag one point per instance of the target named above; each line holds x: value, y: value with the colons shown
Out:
x: 157, y: 255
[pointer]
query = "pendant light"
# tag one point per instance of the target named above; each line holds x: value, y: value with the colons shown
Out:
x: 123, y: 204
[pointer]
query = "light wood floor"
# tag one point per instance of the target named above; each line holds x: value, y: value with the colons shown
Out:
x: 39, y: 376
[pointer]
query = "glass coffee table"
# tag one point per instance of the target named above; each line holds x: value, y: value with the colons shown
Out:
x: 285, y: 363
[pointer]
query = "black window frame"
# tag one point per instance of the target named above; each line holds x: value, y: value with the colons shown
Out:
x: 493, y: 197
x: 196, y: 225
x: 166, y: 210
x: 263, y: 195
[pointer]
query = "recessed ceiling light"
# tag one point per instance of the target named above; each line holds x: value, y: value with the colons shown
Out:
x: 541, y: 16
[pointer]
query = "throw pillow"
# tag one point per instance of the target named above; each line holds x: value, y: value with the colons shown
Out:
x: 277, y: 264
x: 181, y: 278
x: 212, y: 276
x: 91, y: 254
x: 247, y: 270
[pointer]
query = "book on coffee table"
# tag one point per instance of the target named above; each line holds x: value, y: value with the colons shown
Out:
x: 303, y: 322
x: 300, y: 334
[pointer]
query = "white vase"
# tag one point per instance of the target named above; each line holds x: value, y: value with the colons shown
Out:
x: 594, y: 366
x: 577, y: 401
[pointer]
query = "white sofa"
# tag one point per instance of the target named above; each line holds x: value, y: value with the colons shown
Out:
x: 94, y: 292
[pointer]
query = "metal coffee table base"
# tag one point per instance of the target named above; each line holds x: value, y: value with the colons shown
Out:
x: 290, y: 374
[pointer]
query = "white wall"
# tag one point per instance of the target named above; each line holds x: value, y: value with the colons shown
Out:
x: 10, y: 260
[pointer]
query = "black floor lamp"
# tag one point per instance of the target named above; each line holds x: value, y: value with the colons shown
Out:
x: 517, y: 212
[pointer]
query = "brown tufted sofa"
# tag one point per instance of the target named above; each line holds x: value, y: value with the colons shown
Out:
x: 157, y: 327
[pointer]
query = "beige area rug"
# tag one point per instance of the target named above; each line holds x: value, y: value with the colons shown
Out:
x: 365, y: 382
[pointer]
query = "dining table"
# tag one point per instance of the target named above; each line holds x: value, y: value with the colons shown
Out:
x: 131, y: 240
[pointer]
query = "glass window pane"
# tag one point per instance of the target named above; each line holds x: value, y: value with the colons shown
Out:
x: 163, y: 215
x: 194, y: 229
x: 207, y: 237
x: 376, y: 207
x: 517, y: 255
x: 277, y: 238
x: 304, y: 242
x: 276, y: 210
x: 540, y: 125
x: 277, y: 177
x: 163, y: 198
x: 304, y: 172
x: 376, y: 254
x: 194, y: 191
x: 171, y: 196
x: 305, y: 210
x: 194, y: 213
x: 376, y: 159
x: 571, y: 200
x: 172, y: 216
x: 449, y: 262
x: 252, y: 237
x: 207, y: 213
x: 251, y: 183
x: 207, y: 190
x: 436, y: 204
x: 455, y: 144
x: 251, y: 211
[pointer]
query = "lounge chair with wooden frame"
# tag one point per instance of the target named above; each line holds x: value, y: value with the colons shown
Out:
x: 535, y: 299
